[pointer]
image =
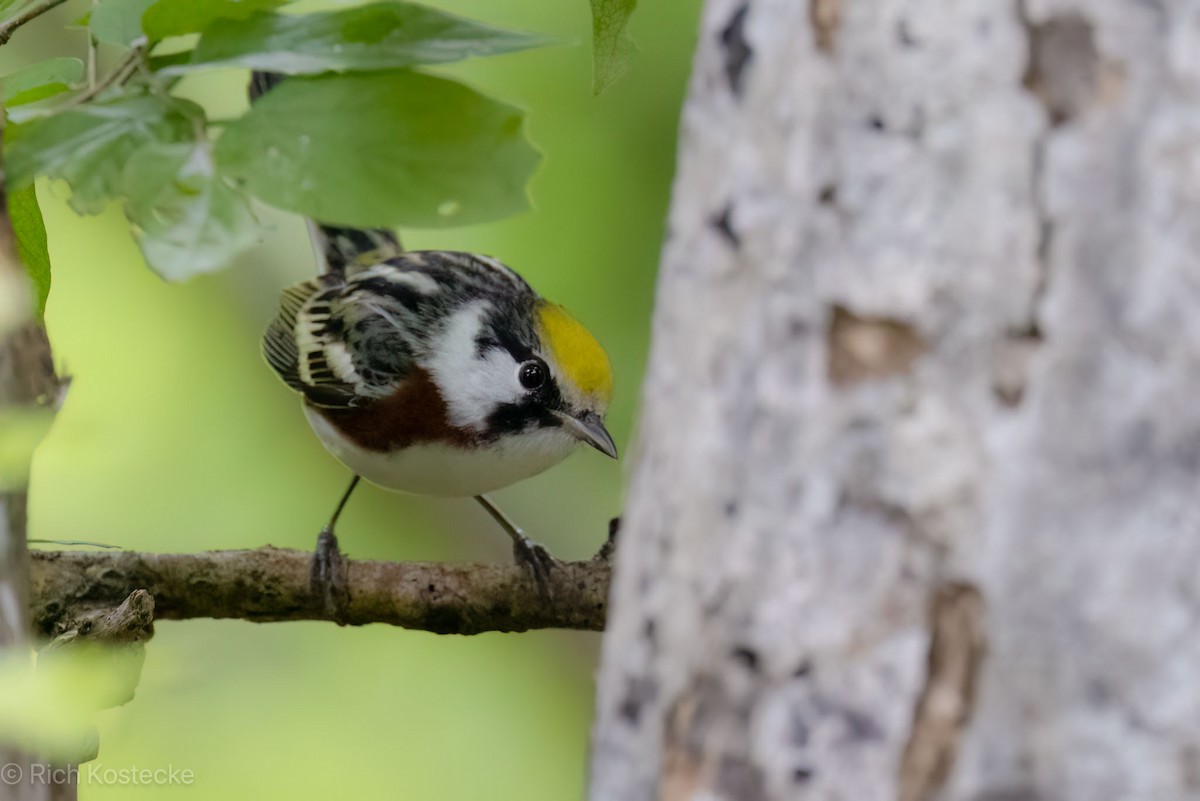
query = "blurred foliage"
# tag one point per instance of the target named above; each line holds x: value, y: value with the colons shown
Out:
x: 461, y: 156
x: 15, y: 301
x: 613, y: 49
x: 21, y: 430
x: 89, y: 146
x: 185, y: 217
x: 176, y: 437
x: 379, y: 36
x: 119, y: 22
x: 171, y: 18
x: 51, y: 709
x: 41, y: 80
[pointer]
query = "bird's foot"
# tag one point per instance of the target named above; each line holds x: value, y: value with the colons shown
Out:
x: 327, y: 578
x: 534, y: 556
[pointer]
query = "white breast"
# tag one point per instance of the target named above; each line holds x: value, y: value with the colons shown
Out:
x: 446, y: 470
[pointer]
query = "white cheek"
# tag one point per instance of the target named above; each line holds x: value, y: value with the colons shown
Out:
x: 472, y: 387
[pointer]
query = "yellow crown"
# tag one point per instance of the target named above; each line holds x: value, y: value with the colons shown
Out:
x: 577, y: 352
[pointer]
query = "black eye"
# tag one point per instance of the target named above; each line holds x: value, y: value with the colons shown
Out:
x: 532, y: 374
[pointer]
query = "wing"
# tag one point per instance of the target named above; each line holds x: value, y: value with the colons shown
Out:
x: 337, y: 345
x: 288, y: 344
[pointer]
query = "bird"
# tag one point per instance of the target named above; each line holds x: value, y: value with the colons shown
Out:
x: 436, y: 372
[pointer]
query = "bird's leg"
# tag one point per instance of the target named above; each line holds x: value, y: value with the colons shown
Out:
x: 525, y: 550
x: 328, y: 576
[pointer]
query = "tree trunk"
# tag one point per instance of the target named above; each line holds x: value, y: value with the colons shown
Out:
x: 21, y: 351
x: 925, y: 377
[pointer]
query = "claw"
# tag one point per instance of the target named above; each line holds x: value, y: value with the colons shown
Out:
x: 525, y: 551
x: 327, y: 578
x: 539, y: 561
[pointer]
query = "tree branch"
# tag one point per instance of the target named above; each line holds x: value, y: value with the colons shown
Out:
x: 272, y: 584
x: 29, y: 14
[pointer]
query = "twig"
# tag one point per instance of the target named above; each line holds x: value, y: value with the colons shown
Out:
x: 272, y: 584
x: 91, y: 61
x: 31, y: 13
x: 119, y: 74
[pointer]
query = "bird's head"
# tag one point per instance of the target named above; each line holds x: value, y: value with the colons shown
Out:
x: 533, y: 369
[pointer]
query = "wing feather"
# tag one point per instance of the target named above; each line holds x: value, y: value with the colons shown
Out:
x: 294, y: 348
x: 340, y: 347
x: 279, y: 342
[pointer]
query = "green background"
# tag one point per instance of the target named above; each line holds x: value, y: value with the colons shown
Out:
x: 176, y: 437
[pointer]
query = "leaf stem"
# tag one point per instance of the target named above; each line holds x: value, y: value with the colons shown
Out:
x: 149, y: 76
x: 122, y: 71
x: 31, y: 13
x: 91, y: 61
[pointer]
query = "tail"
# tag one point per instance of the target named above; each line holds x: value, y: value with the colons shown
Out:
x: 263, y: 82
x: 339, y: 247
x: 343, y: 248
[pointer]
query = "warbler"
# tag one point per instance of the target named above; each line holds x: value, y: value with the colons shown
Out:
x: 437, y: 372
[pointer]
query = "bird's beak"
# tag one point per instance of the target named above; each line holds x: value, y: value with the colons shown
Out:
x: 589, y: 428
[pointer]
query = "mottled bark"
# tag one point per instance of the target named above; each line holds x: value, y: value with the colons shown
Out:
x: 273, y: 584
x: 914, y: 510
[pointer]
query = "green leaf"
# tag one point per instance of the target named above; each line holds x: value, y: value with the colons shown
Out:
x: 382, y: 149
x: 41, y: 80
x: 89, y: 145
x: 374, y: 37
x: 178, y: 17
x: 611, y: 46
x: 185, y: 217
x: 157, y: 63
x: 119, y: 21
x: 31, y: 240
x: 4, y: 6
